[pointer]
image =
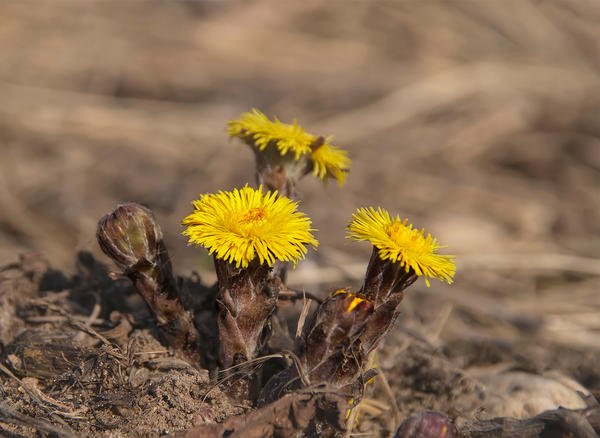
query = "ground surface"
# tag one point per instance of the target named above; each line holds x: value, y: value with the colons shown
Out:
x: 477, y: 120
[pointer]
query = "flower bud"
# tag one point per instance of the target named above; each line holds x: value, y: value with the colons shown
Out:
x: 335, y: 327
x: 130, y: 236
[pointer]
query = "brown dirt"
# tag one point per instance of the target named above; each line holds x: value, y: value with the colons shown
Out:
x: 129, y: 383
x: 107, y: 371
x: 476, y: 120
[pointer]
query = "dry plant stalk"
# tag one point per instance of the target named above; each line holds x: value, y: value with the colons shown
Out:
x: 247, y: 301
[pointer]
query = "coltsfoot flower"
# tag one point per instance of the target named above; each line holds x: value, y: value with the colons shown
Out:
x: 401, y: 243
x: 257, y: 130
x: 247, y: 231
x: 297, y: 152
x: 245, y: 224
x: 340, y: 338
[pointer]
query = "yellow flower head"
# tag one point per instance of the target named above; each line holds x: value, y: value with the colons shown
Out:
x: 237, y: 226
x: 258, y: 131
x: 398, y: 242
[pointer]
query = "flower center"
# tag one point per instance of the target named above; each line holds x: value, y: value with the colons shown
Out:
x: 404, y: 236
x: 396, y: 231
x: 252, y: 216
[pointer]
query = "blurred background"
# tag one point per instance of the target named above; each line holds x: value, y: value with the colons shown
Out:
x: 478, y: 120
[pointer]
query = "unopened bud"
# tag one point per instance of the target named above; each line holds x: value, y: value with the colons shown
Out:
x: 336, y: 325
x: 130, y: 236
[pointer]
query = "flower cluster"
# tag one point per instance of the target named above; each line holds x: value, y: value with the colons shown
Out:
x: 249, y: 233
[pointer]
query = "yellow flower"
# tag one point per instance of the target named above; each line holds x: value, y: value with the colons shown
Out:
x: 258, y: 131
x: 398, y: 242
x: 329, y: 161
x: 237, y: 226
